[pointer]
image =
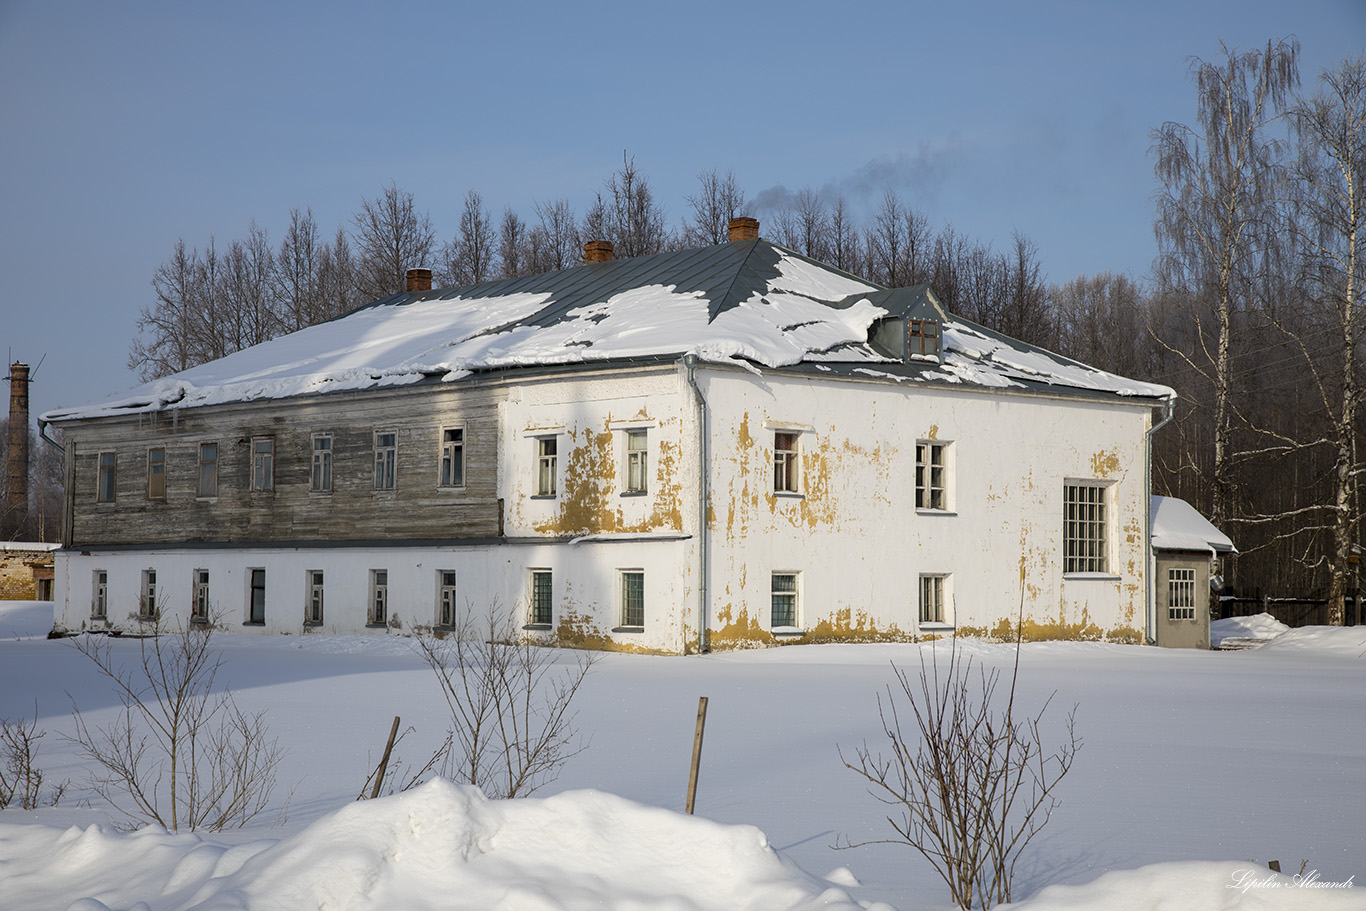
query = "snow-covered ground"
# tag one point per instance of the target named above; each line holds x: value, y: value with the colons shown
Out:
x: 1198, y: 768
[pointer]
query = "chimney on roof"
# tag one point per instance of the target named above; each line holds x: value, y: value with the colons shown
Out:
x: 597, y: 251
x: 743, y: 228
x: 419, y: 280
x: 16, y: 468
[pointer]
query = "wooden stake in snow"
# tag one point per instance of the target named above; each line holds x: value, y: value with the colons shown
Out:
x: 384, y: 760
x: 696, y: 751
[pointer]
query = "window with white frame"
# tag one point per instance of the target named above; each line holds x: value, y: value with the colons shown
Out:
x: 263, y: 463
x: 147, y: 604
x: 931, y: 475
x: 386, y: 459
x: 783, y: 603
x: 934, y: 604
x: 445, y: 598
x: 1086, y: 531
x: 156, y: 473
x: 320, y: 476
x: 99, y: 595
x: 256, y: 597
x: 453, y: 457
x: 546, y: 458
x: 785, y: 461
x: 637, y: 460
x: 313, y: 610
x: 542, y: 597
x: 633, y: 599
x: 379, y: 597
x: 208, y: 469
x: 105, y: 491
x: 1180, y: 594
x: 199, y: 608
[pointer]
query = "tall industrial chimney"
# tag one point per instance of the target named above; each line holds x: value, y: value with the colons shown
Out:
x: 16, y: 469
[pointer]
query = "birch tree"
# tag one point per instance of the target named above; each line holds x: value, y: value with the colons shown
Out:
x: 391, y: 237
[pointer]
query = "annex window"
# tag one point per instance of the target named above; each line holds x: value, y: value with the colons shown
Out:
x: 147, y: 604
x: 931, y: 475
x: 922, y: 337
x: 156, y: 474
x: 99, y: 595
x: 256, y: 604
x: 445, y: 597
x: 320, y: 477
x: 542, y: 604
x: 633, y: 599
x: 785, y: 461
x: 934, y: 608
x: 208, y: 469
x: 386, y: 459
x: 199, y: 609
x: 784, y: 600
x: 1180, y: 594
x: 263, y: 463
x: 313, y: 611
x: 453, y: 457
x: 1085, y: 528
x: 546, y: 465
x: 105, y: 493
x: 637, y: 460
x: 379, y: 597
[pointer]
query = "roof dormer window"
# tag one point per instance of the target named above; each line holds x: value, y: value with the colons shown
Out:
x: 922, y: 337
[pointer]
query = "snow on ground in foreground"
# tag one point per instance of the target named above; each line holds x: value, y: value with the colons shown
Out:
x: 1196, y: 765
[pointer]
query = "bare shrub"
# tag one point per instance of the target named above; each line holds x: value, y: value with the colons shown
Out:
x: 968, y: 779
x: 512, y: 727
x: 21, y: 781
x: 180, y: 754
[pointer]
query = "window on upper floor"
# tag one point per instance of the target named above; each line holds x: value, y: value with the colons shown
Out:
x: 208, y: 469
x: 320, y: 475
x: 453, y: 457
x: 386, y: 459
x: 1086, y: 527
x: 546, y: 466
x: 263, y: 463
x: 922, y: 337
x: 156, y: 473
x: 105, y: 490
x: 1180, y: 593
x: 637, y: 460
x: 786, y: 461
x: 931, y: 475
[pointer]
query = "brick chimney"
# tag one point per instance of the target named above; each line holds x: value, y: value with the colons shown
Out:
x: 597, y: 251
x: 419, y: 280
x: 16, y: 469
x: 743, y: 228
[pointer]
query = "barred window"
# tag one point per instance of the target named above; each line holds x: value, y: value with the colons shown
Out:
x: 784, y: 600
x: 1085, y: 529
x: 633, y: 598
x: 542, y: 607
x: 1181, y: 594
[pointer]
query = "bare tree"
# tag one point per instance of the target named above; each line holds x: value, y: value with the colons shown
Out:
x: 1218, y: 182
x: 337, y: 279
x: 558, y: 244
x: 166, y: 340
x: 628, y: 214
x: 845, y: 251
x: 510, y: 702
x: 1101, y: 321
x: 718, y: 200
x: 391, y: 237
x: 21, y: 780
x: 967, y: 778
x: 469, y: 258
x: 512, y: 240
x: 181, y: 753
x: 300, y: 299
x: 249, y: 290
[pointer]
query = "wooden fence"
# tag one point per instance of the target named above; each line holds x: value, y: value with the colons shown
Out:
x: 1291, y: 611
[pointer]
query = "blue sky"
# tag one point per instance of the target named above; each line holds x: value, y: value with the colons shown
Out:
x: 124, y: 126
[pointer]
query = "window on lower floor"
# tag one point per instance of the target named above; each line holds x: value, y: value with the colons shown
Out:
x: 1180, y: 594
x: 785, y: 461
x: 445, y: 598
x: 633, y: 598
x: 199, y: 609
x: 379, y: 597
x: 453, y: 457
x: 313, y: 611
x: 542, y: 604
x: 108, y: 462
x: 256, y: 603
x: 783, y: 600
x: 934, y: 606
x: 263, y: 463
x: 931, y: 475
x: 147, y: 604
x: 547, y: 456
x: 156, y: 474
x: 1085, y: 528
x: 208, y: 469
x: 99, y: 596
x: 386, y: 459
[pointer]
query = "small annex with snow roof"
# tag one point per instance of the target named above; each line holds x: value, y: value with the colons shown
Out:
x: 1186, y: 548
x: 713, y: 448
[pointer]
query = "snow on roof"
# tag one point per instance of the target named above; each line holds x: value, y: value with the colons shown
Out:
x: 1176, y: 525
x: 750, y: 302
x: 33, y: 546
